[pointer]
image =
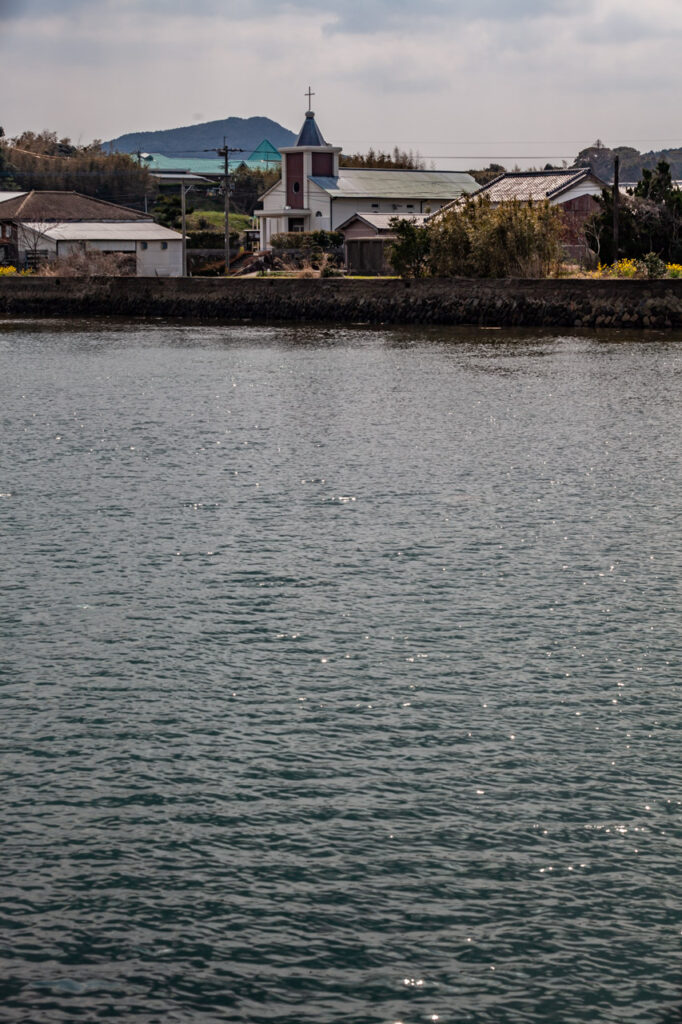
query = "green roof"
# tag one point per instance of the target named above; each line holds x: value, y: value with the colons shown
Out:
x: 264, y: 158
x: 265, y: 151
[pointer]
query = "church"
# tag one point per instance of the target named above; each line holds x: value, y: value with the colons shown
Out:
x: 315, y: 193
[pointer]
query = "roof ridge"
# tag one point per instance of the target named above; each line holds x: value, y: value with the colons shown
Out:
x: 399, y: 170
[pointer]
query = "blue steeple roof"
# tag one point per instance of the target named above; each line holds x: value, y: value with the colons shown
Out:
x: 310, y: 134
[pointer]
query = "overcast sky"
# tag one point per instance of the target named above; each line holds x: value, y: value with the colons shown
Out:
x: 509, y: 80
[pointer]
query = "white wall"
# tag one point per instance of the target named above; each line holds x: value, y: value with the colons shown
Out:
x: 583, y: 188
x: 343, y: 208
x: 155, y: 261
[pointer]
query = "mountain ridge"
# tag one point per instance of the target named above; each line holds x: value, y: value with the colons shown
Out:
x: 191, y: 140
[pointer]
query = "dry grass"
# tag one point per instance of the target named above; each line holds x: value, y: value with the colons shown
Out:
x: 90, y: 263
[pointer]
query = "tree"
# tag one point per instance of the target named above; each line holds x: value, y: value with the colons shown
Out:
x: 650, y: 220
x: 486, y: 174
x: 7, y: 182
x: 511, y: 239
x: 248, y: 185
x: 400, y: 159
x: 409, y: 252
x: 34, y: 240
x: 45, y: 162
x: 168, y: 211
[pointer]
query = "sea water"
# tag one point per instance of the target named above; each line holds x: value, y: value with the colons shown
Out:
x: 340, y: 675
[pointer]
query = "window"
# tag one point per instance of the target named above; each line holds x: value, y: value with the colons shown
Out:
x: 319, y: 213
x: 296, y: 186
x: 410, y: 206
x: 143, y: 245
x: 164, y: 245
x: 375, y: 206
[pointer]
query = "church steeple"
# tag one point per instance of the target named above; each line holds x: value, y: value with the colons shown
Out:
x: 310, y: 134
x: 308, y: 159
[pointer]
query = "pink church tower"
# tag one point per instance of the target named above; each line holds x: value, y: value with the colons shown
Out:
x: 310, y: 157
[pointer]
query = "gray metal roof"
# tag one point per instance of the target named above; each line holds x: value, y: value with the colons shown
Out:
x: 382, y: 221
x: 6, y: 196
x: 310, y: 134
x: 102, y: 231
x: 378, y: 183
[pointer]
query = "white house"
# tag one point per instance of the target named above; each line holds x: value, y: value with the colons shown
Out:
x: 157, y: 250
x: 47, y: 225
x: 314, y: 193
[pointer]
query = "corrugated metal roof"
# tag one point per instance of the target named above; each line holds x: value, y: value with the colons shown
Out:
x: 100, y: 231
x: 180, y: 178
x: 212, y: 165
x: 378, y: 183
x: 382, y: 221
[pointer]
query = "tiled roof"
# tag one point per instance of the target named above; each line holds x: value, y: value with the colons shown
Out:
x: 525, y: 186
x: 65, y: 206
x: 535, y: 185
x: 377, y: 183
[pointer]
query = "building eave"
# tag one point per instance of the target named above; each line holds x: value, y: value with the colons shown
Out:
x: 282, y: 213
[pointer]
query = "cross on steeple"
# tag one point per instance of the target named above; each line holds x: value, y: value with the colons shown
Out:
x: 310, y: 95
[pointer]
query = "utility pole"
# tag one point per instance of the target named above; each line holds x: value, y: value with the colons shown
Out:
x: 183, y: 209
x: 225, y: 151
x: 616, y: 203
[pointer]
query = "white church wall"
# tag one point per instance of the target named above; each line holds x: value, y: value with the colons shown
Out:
x: 344, y: 207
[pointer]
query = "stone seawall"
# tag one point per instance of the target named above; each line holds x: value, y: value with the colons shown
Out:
x: 560, y: 303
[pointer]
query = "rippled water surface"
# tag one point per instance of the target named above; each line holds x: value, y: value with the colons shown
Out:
x: 340, y: 676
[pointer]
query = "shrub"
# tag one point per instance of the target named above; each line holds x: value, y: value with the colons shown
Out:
x: 653, y: 265
x: 512, y: 239
x: 8, y: 271
x: 211, y: 240
x: 409, y: 254
x: 306, y: 241
x: 90, y: 263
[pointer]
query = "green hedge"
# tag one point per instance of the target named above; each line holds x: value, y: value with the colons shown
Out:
x: 211, y: 240
x: 307, y: 240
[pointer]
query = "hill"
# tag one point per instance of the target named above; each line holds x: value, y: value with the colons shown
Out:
x: 191, y: 141
x: 632, y: 162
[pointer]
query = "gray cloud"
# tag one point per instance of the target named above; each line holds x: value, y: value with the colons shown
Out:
x: 352, y: 16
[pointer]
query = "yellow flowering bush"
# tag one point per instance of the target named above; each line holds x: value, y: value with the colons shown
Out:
x: 629, y: 268
x: 626, y: 268
x: 7, y: 271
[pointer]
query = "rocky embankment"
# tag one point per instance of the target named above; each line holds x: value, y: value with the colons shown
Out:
x: 556, y: 303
